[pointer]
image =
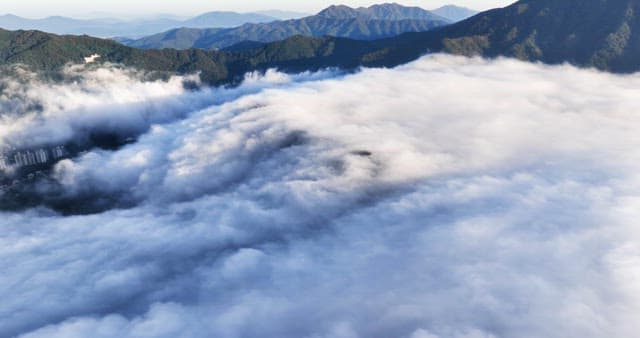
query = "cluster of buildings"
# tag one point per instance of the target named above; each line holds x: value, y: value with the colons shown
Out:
x: 31, y: 163
x: 25, y: 158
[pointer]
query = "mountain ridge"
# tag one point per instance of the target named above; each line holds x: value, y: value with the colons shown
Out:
x: 340, y: 21
x: 385, y: 11
x: 597, y: 33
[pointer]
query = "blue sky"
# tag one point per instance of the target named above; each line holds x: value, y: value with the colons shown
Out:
x: 36, y: 8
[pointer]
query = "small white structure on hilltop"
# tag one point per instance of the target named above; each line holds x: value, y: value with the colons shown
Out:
x: 92, y: 58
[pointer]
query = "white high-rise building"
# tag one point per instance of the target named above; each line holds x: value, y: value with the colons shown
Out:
x: 31, y: 158
x: 58, y: 152
x: 4, y: 163
x: 41, y: 156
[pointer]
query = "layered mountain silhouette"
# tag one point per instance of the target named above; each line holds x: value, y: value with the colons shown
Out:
x: 375, y: 22
x: 133, y: 28
x: 593, y: 33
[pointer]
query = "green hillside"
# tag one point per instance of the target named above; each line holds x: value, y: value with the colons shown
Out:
x: 592, y: 33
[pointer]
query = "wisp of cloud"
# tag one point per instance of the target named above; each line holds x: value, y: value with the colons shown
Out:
x: 447, y: 198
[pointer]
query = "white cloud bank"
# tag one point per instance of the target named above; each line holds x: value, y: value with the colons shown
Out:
x: 450, y: 198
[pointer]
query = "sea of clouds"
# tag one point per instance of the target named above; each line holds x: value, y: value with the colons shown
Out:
x: 447, y: 198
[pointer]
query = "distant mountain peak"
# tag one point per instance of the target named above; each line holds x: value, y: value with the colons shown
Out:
x: 339, y: 12
x: 222, y: 18
x: 283, y: 15
x: 455, y: 13
x: 454, y: 7
x: 389, y: 5
x: 385, y: 11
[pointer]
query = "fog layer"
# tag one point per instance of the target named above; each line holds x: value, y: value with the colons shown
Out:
x: 451, y: 198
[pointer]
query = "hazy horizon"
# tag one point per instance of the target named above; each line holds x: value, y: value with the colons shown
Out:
x: 39, y: 8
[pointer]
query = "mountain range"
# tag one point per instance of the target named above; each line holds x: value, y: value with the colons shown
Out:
x: 136, y: 28
x: 105, y: 25
x: 375, y: 22
x: 604, y: 34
